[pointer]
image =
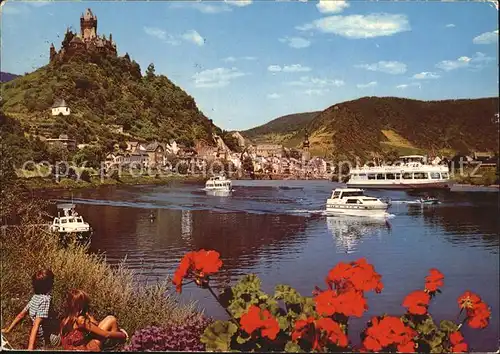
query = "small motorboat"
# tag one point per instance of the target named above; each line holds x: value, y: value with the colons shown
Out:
x: 353, y: 201
x: 70, y: 223
x: 428, y: 200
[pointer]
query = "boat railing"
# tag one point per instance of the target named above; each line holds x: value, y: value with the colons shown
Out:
x: 399, y: 167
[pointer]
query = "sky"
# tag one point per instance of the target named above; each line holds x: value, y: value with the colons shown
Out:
x: 247, y: 62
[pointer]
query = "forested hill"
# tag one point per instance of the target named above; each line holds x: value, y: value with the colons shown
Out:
x: 105, y: 90
x: 280, y: 129
x: 371, y: 125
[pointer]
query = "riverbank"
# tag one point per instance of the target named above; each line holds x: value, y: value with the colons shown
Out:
x: 39, y: 183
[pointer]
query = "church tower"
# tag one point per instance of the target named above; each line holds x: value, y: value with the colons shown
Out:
x: 306, y: 155
x: 88, y: 25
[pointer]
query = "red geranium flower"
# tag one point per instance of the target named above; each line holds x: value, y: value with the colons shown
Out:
x: 387, y: 331
x: 359, y: 275
x: 417, y: 302
x: 478, y: 313
x: 457, y: 343
x: 320, y: 332
x: 468, y: 300
x: 198, y: 265
x: 256, y: 318
x: 434, y: 280
x: 479, y: 316
x: 350, y: 303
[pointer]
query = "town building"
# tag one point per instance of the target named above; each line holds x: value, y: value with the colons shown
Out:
x: 64, y: 140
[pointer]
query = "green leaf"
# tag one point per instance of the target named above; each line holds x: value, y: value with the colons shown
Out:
x: 292, y: 347
x: 217, y: 336
x: 242, y: 340
x: 426, y: 327
x: 448, y: 326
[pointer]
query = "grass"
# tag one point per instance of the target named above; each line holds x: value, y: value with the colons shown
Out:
x: 113, y: 290
x: 482, y: 177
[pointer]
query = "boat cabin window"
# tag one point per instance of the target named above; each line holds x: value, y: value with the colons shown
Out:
x: 64, y: 221
x: 420, y: 175
x: 444, y: 175
x: 336, y: 195
x: 352, y: 194
x: 71, y: 220
x: 79, y: 220
x: 351, y: 201
x: 435, y: 175
x: 407, y: 175
x: 370, y: 199
x: 56, y: 221
x: 371, y: 176
x: 380, y: 176
x: 390, y: 176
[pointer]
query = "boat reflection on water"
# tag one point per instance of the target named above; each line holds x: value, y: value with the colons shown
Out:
x: 348, y: 231
x: 218, y: 192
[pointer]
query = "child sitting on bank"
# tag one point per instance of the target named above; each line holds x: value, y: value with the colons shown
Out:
x: 40, y: 311
x: 80, y: 331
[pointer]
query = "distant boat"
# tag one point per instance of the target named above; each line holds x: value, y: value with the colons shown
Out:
x: 70, y: 222
x: 219, y: 184
x: 353, y: 201
x: 413, y: 173
x: 428, y: 200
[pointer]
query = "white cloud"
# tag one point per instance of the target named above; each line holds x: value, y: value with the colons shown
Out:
x: 293, y: 68
x: 426, y: 75
x: 239, y: 3
x: 412, y: 84
x: 190, y: 36
x: 332, y: 7
x: 296, y: 42
x: 202, y: 6
x: 316, y: 92
x: 315, y: 82
x: 233, y: 59
x: 360, y: 26
x: 273, y: 96
x: 218, y: 77
x: 475, y: 62
x: 274, y: 68
x: 486, y: 38
x: 450, y: 25
x: 156, y: 32
x: 388, y: 67
x: 370, y: 84
x: 194, y: 37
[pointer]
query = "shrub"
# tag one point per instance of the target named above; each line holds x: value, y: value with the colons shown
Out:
x: 288, y: 321
x: 175, y: 337
x: 113, y: 289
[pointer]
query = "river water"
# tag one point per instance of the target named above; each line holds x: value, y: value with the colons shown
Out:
x: 277, y: 230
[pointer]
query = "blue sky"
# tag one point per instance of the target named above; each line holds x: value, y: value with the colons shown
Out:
x: 247, y: 62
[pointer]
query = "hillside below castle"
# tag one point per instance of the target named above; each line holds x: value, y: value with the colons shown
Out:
x: 103, y: 91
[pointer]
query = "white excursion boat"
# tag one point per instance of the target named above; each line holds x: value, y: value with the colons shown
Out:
x: 411, y: 172
x: 353, y: 201
x: 70, y: 222
x: 218, y: 184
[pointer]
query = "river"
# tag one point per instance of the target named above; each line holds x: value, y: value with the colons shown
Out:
x: 277, y: 230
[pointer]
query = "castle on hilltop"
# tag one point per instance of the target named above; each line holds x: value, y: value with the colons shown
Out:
x: 85, y: 42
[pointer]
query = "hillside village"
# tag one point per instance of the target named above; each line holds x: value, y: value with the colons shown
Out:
x: 71, y: 105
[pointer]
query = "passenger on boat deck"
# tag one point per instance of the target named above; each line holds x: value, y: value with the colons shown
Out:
x: 81, y: 331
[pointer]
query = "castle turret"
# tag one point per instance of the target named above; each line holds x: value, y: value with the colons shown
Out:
x: 88, y: 25
x: 52, y: 52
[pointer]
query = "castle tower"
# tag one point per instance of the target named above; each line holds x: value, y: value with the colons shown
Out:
x: 88, y: 25
x: 52, y: 52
